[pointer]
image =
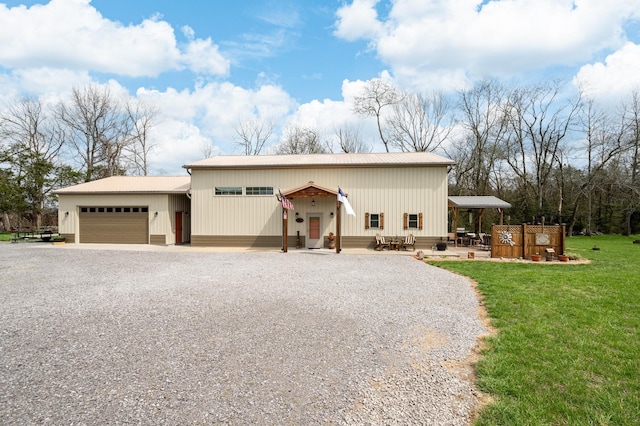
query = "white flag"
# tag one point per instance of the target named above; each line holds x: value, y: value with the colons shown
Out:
x: 343, y: 199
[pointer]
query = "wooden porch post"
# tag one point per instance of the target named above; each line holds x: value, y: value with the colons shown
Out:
x: 285, y: 231
x: 338, y: 227
x: 455, y: 225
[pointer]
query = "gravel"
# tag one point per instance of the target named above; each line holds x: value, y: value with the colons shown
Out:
x: 158, y: 337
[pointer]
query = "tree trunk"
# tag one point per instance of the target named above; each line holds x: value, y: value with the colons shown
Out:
x: 6, y: 222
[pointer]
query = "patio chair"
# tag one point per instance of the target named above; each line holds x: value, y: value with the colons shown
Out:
x: 409, y: 241
x: 451, y: 238
x: 381, y: 243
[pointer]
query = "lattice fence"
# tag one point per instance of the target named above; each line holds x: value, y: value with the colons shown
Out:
x: 514, y: 241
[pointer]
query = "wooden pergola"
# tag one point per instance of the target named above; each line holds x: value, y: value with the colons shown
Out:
x: 313, y: 191
x: 476, y: 202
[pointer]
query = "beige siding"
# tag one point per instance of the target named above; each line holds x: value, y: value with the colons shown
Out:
x: 392, y: 191
x: 69, y: 224
x: 179, y: 203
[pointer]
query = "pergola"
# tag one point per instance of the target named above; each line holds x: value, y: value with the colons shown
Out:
x: 476, y: 202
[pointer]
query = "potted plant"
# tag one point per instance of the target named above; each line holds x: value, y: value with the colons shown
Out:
x: 563, y: 258
x: 332, y: 240
x: 441, y: 245
x: 536, y: 257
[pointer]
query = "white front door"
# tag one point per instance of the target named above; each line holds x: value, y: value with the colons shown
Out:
x: 314, y: 235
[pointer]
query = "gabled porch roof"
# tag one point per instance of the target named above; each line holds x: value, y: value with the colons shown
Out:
x: 310, y: 190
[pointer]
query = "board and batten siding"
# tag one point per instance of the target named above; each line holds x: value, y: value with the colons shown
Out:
x: 158, y: 225
x: 391, y: 190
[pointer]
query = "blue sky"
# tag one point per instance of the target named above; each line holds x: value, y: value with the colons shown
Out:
x: 288, y: 43
x: 209, y: 65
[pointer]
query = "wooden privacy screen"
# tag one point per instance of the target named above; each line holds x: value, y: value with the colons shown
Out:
x: 515, y: 241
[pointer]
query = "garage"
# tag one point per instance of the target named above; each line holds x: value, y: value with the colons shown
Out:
x: 115, y: 225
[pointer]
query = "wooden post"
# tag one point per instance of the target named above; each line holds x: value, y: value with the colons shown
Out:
x: 285, y: 230
x: 338, y: 227
x: 455, y: 225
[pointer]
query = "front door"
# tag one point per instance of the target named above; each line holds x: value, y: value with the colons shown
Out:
x: 314, y: 237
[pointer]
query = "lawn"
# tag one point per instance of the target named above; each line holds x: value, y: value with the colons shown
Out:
x: 6, y: 236
x: 567, y: 349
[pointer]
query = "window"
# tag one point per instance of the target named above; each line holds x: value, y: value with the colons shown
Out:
x: 374, y: 220
x: 412, y: 221
x: 228, y: 190
x: 133, y: 209
x: 259, y: 190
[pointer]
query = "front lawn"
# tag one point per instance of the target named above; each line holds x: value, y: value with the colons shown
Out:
x: 567, y: 349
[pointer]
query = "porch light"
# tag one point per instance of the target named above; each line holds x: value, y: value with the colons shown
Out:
x: 331, y: 214
x: 313, y: 202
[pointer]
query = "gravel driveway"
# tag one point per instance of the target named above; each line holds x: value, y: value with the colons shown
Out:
x: 308, y: 337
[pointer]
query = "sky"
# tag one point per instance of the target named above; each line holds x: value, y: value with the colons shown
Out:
x: 209, y: 65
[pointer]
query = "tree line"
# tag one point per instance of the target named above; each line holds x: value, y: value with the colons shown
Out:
x: 556, y: 154
x: 43, y: 147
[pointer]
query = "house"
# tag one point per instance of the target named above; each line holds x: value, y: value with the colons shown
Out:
x: 233, y: 201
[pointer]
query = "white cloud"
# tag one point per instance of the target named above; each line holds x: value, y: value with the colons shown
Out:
x: 615, y: 77
x: 454, y: 41
x: 328, y: 116
x: 72, y: 34
x: 202, y: 56
x: 176, y: 143
x: 189, y: 119
x: 357, y: 20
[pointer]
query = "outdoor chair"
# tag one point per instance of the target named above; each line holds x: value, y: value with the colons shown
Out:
x: 409, y: 241
x: 451, y: 238
x: 381, y: 243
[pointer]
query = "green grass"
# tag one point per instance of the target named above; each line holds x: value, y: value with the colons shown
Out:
x: 567, y: 351
x: 6, y: 236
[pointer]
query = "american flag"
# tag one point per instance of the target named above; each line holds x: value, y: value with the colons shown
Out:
x: 286, y: 203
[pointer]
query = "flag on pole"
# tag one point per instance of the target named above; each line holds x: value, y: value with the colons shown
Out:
x: 343, y: 199
x: 286, y: 203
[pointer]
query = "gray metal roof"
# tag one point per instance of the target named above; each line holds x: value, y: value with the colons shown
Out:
x: 478, y: 202
x: 384, y: 159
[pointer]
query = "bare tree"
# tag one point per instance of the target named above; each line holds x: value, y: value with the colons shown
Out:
x: 632, y: 181
x: 99, y: 130
x: 253, y: 134
x: 33, y: 145
x: 604, y: 134
x: 477, y: 153
x: 538, y: 125
x: 419, y: 123
x: 141, y: 119
x: 350, y: 140
x: 377, y: 94
x: 301, y: 140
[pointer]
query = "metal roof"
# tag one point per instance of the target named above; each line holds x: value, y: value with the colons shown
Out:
x: 478, y: 202
x: 131, y: 185
x: 384, y: 159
